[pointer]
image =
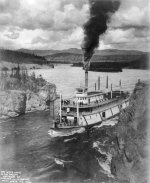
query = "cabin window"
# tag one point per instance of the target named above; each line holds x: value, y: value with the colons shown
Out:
x: 68, y: 110
x: 103, y: 114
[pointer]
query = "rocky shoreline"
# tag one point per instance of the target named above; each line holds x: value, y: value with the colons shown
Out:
x: 130, y: 159
x: 17, y: 102
x: 124, y: 146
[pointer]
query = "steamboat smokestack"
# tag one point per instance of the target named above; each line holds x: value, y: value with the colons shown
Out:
x: 85, y: 66
x: 86, y: 79
x: 100, y: 14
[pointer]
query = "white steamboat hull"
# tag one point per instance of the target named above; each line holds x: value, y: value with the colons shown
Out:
x: 90, y: 120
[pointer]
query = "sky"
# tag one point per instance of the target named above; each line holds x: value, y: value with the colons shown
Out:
x: 58, y: 24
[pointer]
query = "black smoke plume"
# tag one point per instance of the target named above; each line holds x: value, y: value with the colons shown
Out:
x: 100, y: 13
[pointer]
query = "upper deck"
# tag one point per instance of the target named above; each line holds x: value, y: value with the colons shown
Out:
x: 98, y: 108
x: 92, y: 99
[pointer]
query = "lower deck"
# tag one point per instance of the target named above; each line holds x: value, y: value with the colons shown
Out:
x: 97, y: 115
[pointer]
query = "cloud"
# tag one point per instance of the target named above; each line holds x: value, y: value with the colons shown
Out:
x: 127, y: 39
x: 129, y: 26
x: 57, y: 24
x: 131, y: 14
x: 50, y: 20
x: 12, y: 35
x: 7, y: 6
x: 49, y: 14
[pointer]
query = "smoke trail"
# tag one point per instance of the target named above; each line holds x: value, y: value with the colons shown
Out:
x: 100, y: 13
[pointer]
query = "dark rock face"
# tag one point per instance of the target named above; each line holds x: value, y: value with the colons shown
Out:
x: 12, y: 103
x: 34, y: 102
x: 48, y: 92
x: 130, y: 162
x: 40, y: 100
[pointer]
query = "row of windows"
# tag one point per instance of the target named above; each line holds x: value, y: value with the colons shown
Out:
x: 80, y: 98
x: 103, y: 115
x: 84, y: 98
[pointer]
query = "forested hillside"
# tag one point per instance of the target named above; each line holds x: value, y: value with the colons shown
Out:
x: 107, y: 58
x: 20, y: 57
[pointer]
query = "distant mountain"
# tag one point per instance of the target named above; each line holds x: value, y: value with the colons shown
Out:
x: 39, y: 52
x: 99, y: 56
x: 123, y: 58
x: 79, y: 51
x: 20, y: 57
x: 50, y: 52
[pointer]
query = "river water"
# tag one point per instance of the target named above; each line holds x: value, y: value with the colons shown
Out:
x: 26, y: 147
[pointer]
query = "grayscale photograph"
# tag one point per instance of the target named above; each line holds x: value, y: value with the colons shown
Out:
x: 74, y: 91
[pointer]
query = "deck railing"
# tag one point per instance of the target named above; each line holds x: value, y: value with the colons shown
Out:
x: 71, y: 104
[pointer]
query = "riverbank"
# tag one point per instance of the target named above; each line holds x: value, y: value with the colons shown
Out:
x: 130, y: 158
x: 17, y: 102
x: 21, y: 93
x: 125, y: 145
x: 28, y: 66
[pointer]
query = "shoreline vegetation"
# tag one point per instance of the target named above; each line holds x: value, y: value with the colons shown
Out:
x: 109, y: 60
x: 21, y: 93
x: 11, y: 58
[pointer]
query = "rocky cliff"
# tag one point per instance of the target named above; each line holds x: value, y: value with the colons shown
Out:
x: 122, y: 149
x: 40, y: 100
x: 12, y: 103
x: 130, y: 159
x: 16, y: 102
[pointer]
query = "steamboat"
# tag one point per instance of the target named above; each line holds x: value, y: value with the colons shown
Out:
x: 88, y: 108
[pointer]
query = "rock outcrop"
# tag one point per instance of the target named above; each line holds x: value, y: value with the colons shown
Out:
x: 40, y: 100
x: 34, y: 102
x: 130, y: 161
x: 12, y: 103
x: 124, y: 146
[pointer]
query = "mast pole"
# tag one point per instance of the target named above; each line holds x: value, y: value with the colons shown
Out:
x: 120, y: 85
x: 60, y: 107
x: 107, y: 82
x: 86, y: 78
x: 111, y: 90
x: 77, y: 111
x: 54, y: 105
x: 95, y: 86
x: 49, y: 104
x: 98, y: 82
